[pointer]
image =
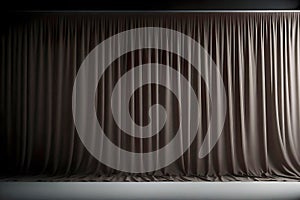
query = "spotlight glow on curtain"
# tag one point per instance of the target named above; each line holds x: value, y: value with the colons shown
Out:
x: 209, y: 97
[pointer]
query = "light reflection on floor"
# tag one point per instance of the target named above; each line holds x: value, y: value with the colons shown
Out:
x: 149, y: 190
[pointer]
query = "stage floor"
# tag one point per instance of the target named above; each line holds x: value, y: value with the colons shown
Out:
x: 148, y: 190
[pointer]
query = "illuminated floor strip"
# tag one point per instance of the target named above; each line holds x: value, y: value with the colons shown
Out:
x: 154, y: 190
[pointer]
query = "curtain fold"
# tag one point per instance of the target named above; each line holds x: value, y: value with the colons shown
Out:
x: 256, y: 54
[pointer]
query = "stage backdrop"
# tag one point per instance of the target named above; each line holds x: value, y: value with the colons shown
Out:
x: 150, y: 97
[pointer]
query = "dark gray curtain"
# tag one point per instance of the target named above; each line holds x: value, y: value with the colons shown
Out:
x: 257, y: 54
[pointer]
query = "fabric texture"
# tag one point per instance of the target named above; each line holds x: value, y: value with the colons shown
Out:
x: 258, y: 57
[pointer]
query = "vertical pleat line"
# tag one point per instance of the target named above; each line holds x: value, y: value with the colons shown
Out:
x: 49, y: 129
x: 73, y: 39
x: 230, y: 90
x: 199, y: 95
x: 102, y: 95
x: 188, y: 93
x: 31, y: 92
x: 141, y: 103
x: 263, y: 46
x: 8, y: 97
x: 241, y: 79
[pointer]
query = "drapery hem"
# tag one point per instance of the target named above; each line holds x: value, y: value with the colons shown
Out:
x: 139, y: 178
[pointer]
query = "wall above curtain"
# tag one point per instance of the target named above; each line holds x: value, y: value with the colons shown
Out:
x: 91, y: 5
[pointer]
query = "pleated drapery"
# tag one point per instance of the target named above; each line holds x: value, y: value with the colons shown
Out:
x: 256, y: 54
